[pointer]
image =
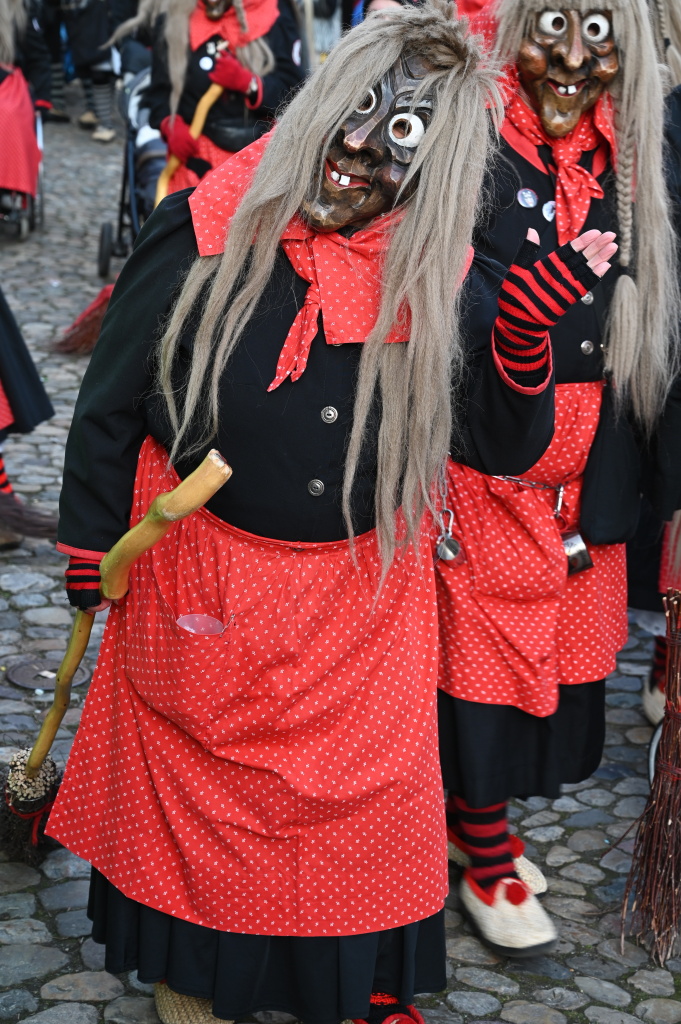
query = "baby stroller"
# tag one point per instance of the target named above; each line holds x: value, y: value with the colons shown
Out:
x: 143, y: 160
x: 21, y: 152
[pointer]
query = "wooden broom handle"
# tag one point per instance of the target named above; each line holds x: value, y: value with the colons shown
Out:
x: 166, y: 509
x: 210, y: 96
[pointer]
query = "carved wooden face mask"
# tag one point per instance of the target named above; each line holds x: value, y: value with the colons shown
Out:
x: 216, y: 8
x: 369, y: 158
x: 565, y: 62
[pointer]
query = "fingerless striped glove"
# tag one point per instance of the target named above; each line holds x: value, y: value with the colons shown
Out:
x: 82, y: 583
x: 534, y: 296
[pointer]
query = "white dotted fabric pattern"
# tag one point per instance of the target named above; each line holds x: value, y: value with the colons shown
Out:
x: 282, y: 778
x: 513, y: 625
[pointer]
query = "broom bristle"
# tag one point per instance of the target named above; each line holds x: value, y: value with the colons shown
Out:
x: 24, y: 519
x: 655, y: 876
x: 25, y: 808
x: 81, y: 337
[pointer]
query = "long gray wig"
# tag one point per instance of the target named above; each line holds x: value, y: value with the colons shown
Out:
x: 13, y: 21
x: 256, y: 55
x: 642, y: 330
x: 667, y: 22
x: 425, y: 258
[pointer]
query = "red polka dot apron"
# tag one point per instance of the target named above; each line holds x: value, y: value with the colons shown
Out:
x: 513, y: 624
x: 281, y: 778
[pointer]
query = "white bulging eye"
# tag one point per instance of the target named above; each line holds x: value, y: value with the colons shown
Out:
x: 368, y: 104
x: 406, y: 130
x: 552, y: 23
x: 595, y: 28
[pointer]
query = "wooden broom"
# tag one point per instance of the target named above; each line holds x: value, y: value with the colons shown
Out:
x: 653, y: 890
x: 33, y: 779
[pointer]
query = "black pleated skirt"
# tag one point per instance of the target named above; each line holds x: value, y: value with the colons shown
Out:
x: 317, y: 980
x: 490, y: 753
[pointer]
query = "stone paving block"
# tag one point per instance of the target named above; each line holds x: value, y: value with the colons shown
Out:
x: 73, y: 1013
x: 586, y: 840
x: 131, y: 1010
x: 18, y: 904
x: 565, y: 804
x: 558, y: 855
x: 25, y: 962
x: 616, y: 860
x: 603, y: 991
x: 73, y: 924
x: 521, y: 1012
x: 468, y: 950
x: 631, y: 955
x: 540, y: 967
x: 571, y: 909
x: 474, y: 1004
x: 66, y: 896
x: 588, y: 819
x: 613, y: 892
x: 560, y: 998
x: 488, y: 980
x: 581, y: 872
x: 14, y: 877
x: 431, y: 1016
x: 632, y: 787
x: 138, y: 985
x: 583, y: 935
x: 88, y: 986
x: 541, y: 818
x: 564, y: 887
x: 92, y: 954
x: 656, y: 982
x: 62, y: 864
x: 597, y: 797
x: 24, y: 930
x: 16, y: 1002
x: 545, y: 834
x: 660, y: 1011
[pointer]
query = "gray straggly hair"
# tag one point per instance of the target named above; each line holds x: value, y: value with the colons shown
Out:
x: 13, y: 21
x: 256, y: 56
x: 667, y: 23
x: 643, y: 327
x: 425, y: 258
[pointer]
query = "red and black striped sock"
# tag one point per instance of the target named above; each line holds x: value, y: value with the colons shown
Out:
x: 5, y: 485
x: 658, y: 669
x: 534, y: 296
x: 484, y: 831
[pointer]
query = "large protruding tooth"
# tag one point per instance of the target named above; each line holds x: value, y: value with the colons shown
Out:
x: 344, y: 179
x: 335, y: 175
x: 562, y: 89
x: 572, y: 89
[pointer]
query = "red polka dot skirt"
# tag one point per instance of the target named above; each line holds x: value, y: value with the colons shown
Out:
x: 281, y: 778
x: 513, y: 625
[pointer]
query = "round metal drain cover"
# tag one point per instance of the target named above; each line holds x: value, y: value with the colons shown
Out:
x: 41, y: 675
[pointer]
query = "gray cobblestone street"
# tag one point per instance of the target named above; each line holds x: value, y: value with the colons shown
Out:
x: 51, y: 972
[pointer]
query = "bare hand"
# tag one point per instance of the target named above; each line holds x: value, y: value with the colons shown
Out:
x: 598, y: 247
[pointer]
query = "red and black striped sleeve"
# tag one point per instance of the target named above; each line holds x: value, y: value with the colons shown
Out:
x: 534, y: 296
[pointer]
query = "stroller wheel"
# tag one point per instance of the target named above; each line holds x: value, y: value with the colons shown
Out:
x: 105, y: 248
x: 24, y: 228
x: 652, y: 752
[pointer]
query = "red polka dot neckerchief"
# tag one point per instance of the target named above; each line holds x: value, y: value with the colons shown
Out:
x: 344, y: 274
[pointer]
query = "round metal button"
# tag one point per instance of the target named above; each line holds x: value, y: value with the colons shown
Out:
x: 527, y: 198
x: 587, y: 347
x: 549, y: 210
x: 316, y: 488
x: 206, y: 64
x: 588, y: 298
x: 329, y: 414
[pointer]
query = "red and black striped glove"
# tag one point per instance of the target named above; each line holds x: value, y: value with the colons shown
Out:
x: 82, y: 585
x: 534, y: 296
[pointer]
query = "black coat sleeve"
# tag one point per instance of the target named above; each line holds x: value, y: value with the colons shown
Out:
x: 503, y: 428
x: 284, y: 41
x: 109, y: 425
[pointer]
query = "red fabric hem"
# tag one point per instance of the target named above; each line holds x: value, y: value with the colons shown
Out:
x: 67, y: 549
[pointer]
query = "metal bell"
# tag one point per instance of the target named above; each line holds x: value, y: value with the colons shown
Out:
x: 448, y: 548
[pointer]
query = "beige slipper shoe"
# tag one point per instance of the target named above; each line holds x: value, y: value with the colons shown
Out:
x: 174, y: 1008
x: 526, y: 871
x: 508, y: 918
x: 653, y: 703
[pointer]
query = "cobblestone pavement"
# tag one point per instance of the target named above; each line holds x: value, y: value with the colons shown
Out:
x: 51, y: 972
